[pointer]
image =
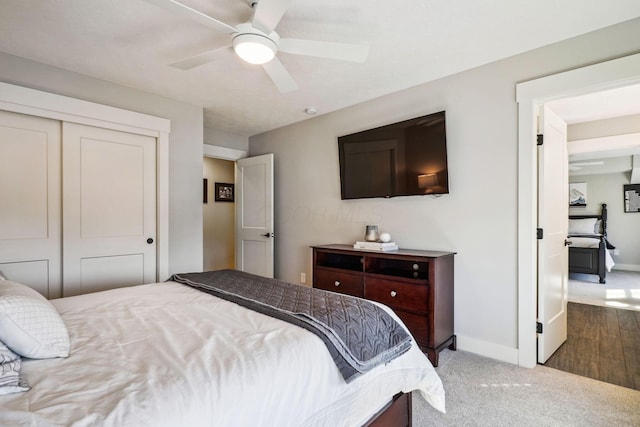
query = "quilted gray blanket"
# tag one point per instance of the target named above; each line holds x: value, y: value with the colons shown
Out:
x: 359, y: 335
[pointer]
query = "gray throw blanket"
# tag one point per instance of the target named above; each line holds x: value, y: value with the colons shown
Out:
x: 360, y: 335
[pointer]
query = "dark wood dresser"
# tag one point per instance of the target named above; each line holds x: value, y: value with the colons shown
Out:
x: 416, y: 284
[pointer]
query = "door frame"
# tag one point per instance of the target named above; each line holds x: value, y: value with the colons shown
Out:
x: 530, y: 96
x: 224, y: 153
x: 33, y: 102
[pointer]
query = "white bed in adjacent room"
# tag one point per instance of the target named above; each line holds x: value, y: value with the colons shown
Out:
x: 168, y: 355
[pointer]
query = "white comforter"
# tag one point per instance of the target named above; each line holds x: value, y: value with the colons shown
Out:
x: 168, y: 355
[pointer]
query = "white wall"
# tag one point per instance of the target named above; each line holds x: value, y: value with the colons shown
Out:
x: 478, y: 219
x: 607, y: 127
x: 623, y: 227
x: 185, y: 144
x: 225, y: 139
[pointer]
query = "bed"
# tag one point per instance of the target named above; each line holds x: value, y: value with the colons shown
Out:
x: 169, y: 354
x: 589, y: 247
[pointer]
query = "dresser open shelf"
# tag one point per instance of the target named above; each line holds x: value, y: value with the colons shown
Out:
x: 416, y: 284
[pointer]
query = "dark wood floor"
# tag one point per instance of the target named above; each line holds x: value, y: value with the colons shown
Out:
x: 602, y: 343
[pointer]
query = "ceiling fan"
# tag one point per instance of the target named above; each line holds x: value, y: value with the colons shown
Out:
x: 257, y: 42
x: 575, y: 166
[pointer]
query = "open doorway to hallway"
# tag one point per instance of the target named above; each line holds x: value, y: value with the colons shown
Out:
x: 218, y: 215
x: 531, y: 95
x: 603, y: 319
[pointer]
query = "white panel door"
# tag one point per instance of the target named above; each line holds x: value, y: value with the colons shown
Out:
x: 553, y: 211
x: 30, y: 240
x: 109, y: 218
x: 254, y: 215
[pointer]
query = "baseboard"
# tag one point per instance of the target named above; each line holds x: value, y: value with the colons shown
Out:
x: 487, y: 349
x: 626, y: 267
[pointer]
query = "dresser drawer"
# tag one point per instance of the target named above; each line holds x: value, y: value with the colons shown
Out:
x: 335, y: 281
x: 404, y: 296
x: 418, y: 325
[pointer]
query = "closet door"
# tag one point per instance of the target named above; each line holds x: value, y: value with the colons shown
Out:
x: 109, y: 202
x: 30, y: 241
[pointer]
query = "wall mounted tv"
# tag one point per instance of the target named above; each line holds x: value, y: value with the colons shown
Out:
x: 402, y: 159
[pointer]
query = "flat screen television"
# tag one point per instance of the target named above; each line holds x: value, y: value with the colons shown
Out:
x: 408, y: 158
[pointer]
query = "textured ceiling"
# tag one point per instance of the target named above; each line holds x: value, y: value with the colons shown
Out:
x: 131, y: 42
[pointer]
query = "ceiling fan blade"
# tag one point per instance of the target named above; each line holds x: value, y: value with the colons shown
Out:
x: 269, y: 13
x: 341, y: 51
x: 198, y: 60
x: 280, y: 76
x: 194, y: 15
x: 597, y: 163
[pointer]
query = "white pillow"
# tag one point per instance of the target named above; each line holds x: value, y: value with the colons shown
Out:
x: 582, y: 226
x: 29, y: 324
x: 598, y: 227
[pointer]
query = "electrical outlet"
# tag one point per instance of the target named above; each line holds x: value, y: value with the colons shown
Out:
x: 303, y: 277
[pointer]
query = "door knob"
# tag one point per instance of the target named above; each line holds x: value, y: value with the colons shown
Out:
x: 567, y: 242
x: 149, y: 240
x: 267, y: 235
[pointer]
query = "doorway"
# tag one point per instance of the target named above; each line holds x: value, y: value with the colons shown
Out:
x: 602, y: 326
x: 218, y: 215
x: 218, y: 166
x: 252, y: 196
x: 530, y: 96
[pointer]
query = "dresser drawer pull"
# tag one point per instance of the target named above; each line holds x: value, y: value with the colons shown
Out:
x: 337, y: 283
x: 393, y: 294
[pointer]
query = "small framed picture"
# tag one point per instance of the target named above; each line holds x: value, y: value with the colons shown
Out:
x: 224, y: 192
x: 577, y: 194
x: 631, y: 197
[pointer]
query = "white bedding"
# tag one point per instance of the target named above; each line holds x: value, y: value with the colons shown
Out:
x: 169, y: 355
x: 584, y: 242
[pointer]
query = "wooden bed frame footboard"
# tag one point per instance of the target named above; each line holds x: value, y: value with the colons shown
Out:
x: 591, y: 260
x: 396, y: 413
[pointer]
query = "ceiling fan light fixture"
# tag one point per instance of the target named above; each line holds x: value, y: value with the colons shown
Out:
x: 254, y: 48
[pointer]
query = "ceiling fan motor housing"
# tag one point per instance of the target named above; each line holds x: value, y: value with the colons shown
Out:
x: 255, y: 46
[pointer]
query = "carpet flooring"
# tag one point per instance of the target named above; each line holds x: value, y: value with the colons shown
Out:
x: 486, y: 392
